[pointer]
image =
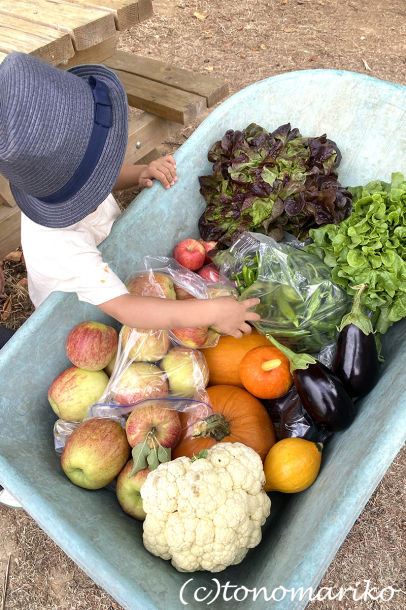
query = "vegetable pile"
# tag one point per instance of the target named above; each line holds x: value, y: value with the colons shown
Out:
x: 270, y: 182
x: 370, y: 248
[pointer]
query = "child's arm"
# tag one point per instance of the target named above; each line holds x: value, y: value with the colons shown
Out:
x: 225, y: 314
x: 163, y: 169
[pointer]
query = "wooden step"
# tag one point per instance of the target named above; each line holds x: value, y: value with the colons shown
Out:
x: 167, y: 102
x: 94, y: 55
x: 47, y: 43
x: 86, y: 25
x: 6, y: 198
x: 150, y: 131
x: 212, y: 89
x: 127, y: 13
x: 10, y: 229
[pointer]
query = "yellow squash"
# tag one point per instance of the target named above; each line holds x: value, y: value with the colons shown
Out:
x: 292, y: 465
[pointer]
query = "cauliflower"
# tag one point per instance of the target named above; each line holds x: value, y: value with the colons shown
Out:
x: 205, y: 513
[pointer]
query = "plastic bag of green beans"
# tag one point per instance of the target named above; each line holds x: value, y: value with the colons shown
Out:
x: 300, y: 304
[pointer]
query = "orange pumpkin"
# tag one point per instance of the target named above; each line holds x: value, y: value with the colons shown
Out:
x: 224, y: 359
x: 238, y: 417
x: 265, y: 372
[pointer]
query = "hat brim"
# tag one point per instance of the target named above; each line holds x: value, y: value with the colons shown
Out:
x: 105, y: 174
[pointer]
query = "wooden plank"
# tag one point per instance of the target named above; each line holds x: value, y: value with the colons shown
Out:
x: 2, y: 56
x: 10, y: 230
x: 127, y: 13
x: 94, y: 55
x: 150, y: 131
x: 145, y: 10
x: 87, y: 26
x: 153, y: 155
x: 167, y: 102
x: 213, y: 89
x: 48, y: 44
x: 6, y: 198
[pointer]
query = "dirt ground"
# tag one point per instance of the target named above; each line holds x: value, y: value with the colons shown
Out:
x: 241, y: 42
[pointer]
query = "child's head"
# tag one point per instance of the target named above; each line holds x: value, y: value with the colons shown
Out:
x: 63, y: 136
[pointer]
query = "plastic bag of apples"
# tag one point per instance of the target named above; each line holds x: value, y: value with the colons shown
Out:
x: 126, y: 425
x: 138, y: 392
x: 166, y: 278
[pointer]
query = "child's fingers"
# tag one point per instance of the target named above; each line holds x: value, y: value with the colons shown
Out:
x: 161, y: 174
x: 171, y: 169
x: 170, y: 159
x: 246, y: 329
x: 252, y: 316
x: 250, y: 303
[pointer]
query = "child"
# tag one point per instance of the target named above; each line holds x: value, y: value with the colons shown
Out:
x: 63, y: 136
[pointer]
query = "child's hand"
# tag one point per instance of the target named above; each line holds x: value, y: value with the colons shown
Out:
x: 230, y: 315
x: 163, y: 169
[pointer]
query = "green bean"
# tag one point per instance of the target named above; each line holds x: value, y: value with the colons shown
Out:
x: 314, y: 304
x: 323, y: 325
x: 289, y: 332
x: 290, y: 294
x: 284, y: 307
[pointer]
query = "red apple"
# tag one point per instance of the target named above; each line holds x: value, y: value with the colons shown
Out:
x: 157, y: 423
x: 183, y: 295
x: 201, y: 336
x: 74, y: 391
x: 91, y: 345
x: 110, y: 367
x: 209, y: 273
x: 140, y: 381
x: 145, y: 345
x: 151, y: 284
x: 208, y: 246
x: 128, y: 490
x: 95, y: 453
x: 186, y: 370
x: 190, y: 254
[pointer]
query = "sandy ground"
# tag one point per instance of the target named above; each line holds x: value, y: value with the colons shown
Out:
x: 241, y: 42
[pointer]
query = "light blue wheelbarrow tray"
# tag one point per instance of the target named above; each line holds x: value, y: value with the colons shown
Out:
x: 366, y: 117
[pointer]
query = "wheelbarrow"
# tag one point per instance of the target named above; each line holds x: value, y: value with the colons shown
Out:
x: 366, y: 117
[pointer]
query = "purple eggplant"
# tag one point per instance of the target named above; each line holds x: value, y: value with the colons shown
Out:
x: 324, y: 397
x: 357, y: 362
x: 322, y: 394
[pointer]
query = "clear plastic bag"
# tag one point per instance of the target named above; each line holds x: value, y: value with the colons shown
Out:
x: 300, y: 304
x: 166, y: 278
x: 291, y: 420
x: 154, y: 427
x: 148, y: 366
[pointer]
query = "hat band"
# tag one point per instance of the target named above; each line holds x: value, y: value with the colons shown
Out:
x: 101, y: 126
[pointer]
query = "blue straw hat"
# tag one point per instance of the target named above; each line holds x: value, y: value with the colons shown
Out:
x: 63, y: 136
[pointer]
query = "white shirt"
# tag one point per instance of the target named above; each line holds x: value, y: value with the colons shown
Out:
x: 68, y: 259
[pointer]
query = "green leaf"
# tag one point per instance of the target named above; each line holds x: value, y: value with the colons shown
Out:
x: 140, y: 454
x: 152, y: 459
x: 397, y: 179
x: 374, y: 187
x: 269, y: 176
x: 355, y: 258
x: 202, y: 455
x: 164, y: 454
